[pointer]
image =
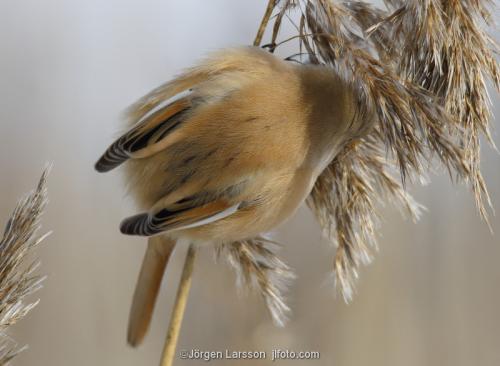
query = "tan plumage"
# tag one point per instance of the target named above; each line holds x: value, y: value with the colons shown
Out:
x: 235, y: 151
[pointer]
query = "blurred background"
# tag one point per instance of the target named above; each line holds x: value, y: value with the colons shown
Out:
x: 68, y: 69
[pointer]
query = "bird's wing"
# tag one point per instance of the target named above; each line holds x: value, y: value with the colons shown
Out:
x: 192, y: 211
x: 148, y: 136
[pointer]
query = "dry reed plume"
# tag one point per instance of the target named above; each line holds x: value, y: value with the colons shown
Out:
x: 258, y: 267
x: 419, y: 66
x: 17, y: 278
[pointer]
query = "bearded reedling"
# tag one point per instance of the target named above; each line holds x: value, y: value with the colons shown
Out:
x: 227, y: 151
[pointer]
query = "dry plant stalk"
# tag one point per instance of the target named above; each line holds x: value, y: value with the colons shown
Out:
x: 263, y: 24
x: 254, y: 262
x: 168, y: 355
x: 17, y: 278
x: 420, y: 67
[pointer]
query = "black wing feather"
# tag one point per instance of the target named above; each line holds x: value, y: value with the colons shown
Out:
x: 139, y: 138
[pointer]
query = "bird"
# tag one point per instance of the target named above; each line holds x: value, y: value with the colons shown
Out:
x: 226, y: 151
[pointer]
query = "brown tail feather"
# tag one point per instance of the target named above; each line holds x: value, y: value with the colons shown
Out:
x: 148, y: 285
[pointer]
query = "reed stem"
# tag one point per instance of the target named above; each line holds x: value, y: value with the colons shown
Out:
x: 174, y: 328
x: 263, y: 24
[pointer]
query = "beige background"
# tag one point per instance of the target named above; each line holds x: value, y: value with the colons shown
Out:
x: 67, y: 68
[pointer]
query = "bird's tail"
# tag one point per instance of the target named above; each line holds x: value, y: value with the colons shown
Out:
x: 148, y: 285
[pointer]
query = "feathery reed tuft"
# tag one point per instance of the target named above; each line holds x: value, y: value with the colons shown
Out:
x: 17, y: 278
x: 345, y: 199
x: 420, y: 68
x: 258, y: 267
x: 444, y: 50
